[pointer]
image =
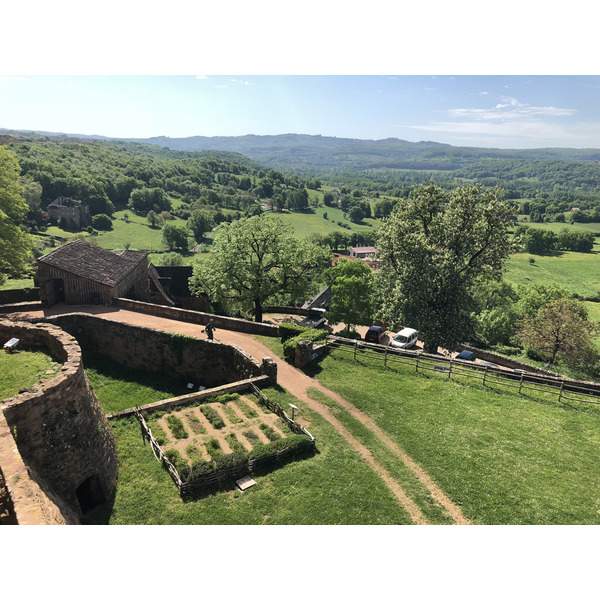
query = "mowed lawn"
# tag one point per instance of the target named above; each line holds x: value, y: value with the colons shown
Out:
x: 504, y: 458
x: 24, y: 368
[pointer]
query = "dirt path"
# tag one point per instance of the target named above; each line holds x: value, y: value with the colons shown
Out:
x: 297, y: 383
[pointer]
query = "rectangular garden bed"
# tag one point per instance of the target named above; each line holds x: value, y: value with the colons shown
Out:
x: 224, y: 437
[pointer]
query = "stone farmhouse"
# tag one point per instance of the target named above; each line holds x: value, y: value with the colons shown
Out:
x: 72, y: 214
x: 81, y: 273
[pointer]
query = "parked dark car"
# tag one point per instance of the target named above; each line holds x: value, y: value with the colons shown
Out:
x: 374, y: 334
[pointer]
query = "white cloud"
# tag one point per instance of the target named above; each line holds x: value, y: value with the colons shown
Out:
x: 201, y: 77
x: 241, y: 82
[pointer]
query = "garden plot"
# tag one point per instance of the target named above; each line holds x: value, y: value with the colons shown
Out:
x: 229, y: 424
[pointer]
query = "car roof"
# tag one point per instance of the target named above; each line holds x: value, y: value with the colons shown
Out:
x: 407, y: 331
x: 375, y: 328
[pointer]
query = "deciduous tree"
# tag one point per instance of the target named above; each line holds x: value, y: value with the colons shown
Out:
x: 351, y: 284
x: 561, y: 328
x: 435, y: 246
x: 254, y: 260
x: 15, y: 244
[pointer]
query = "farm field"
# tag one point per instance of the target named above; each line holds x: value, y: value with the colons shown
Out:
x: 504, y: 458
x: 578, y: 272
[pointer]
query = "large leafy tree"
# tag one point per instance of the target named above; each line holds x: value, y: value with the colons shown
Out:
x: 351, y: 286
x: 436, y: 247
x: 254, y: 260
x: 560, y: 328
x: 15, y: 244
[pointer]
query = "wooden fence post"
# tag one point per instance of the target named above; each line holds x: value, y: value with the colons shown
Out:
x: 484, y: 375
x: 562, y: 385
x: 385, y: 358
x: 521, y: 383
x: 417, y: 364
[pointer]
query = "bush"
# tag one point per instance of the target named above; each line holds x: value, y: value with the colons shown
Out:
x: 229, y: 461
x: 293, y: 443
x: 288, y: 330
x: 176, y: 459
x: 176, y: 426
x: 308, y: 333
x: 271, y: 434
x: 214, y: 448
x: 213, y: 417
x: 197, y: 469
x: 102, y: 222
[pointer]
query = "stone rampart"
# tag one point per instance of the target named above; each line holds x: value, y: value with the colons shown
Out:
x: 59, y: 427
x: 199, y: 318
x: 210, y: 363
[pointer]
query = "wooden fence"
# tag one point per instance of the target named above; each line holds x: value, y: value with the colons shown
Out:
x: 238, y: 471
x: 564, y: 389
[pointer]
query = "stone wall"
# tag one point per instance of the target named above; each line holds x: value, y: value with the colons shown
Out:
x: 19, y: 295
x: 199, y: 318
x: 210, y: 363
x: 59, y: 426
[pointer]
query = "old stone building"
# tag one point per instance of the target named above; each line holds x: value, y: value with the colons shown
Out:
x: 81, y: 273
x: 70, y: 213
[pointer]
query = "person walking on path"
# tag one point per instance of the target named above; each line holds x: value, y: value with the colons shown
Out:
x: 209, y: 329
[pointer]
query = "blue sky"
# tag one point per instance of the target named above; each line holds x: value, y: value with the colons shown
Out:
x: 487, y: 111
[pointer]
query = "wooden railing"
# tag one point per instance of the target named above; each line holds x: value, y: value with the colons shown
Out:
x: 563, y: 388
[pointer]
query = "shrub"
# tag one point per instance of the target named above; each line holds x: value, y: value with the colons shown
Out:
x: 176, y: 426
x: 213, y: 416
x: 248, y: 411
x: 214, y: 448
x: 197, y: 469
x: 309, y: 333
x: 195, y: 424
x: 288, y: 330
x: 229, y: 461
x: 252, y: 438
x: 228, y: 397
x: 294, y: 442
x: 193, y: 451
x: 176, y: 459
x: 271, y: 434
x: 102, y: 222
x: 234, y: 443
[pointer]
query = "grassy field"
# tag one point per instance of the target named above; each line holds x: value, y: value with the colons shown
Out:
x: 578, y: 272
x: 22, y: 369
x: 504, y: 458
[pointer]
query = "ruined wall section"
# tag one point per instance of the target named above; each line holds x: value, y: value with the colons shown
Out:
x: 59, y: 426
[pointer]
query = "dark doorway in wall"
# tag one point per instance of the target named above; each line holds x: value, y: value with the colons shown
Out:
x: 90, y: 494
x: 59, y: 290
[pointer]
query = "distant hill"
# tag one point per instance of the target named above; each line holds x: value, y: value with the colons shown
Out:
x: 316, y: 154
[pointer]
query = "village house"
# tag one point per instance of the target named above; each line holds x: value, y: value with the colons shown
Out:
x: 363, y: 252
x: 81, y: 273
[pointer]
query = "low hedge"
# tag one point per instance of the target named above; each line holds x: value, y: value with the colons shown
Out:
x: 308, y: 333
x: 288, y: 330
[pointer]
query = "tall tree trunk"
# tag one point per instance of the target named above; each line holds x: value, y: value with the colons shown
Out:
x: 258, y: 311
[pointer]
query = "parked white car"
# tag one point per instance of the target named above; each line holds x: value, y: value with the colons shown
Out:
x: 406, y: 338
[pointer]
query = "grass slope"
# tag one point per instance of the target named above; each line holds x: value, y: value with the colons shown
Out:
x: 503, y: 458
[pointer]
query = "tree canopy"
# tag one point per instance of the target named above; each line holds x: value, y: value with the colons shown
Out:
x: 351, y: 286
x: 15, y: 244
x: 435, y: 247
x: 560, y: 328
x: 257, y: 259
